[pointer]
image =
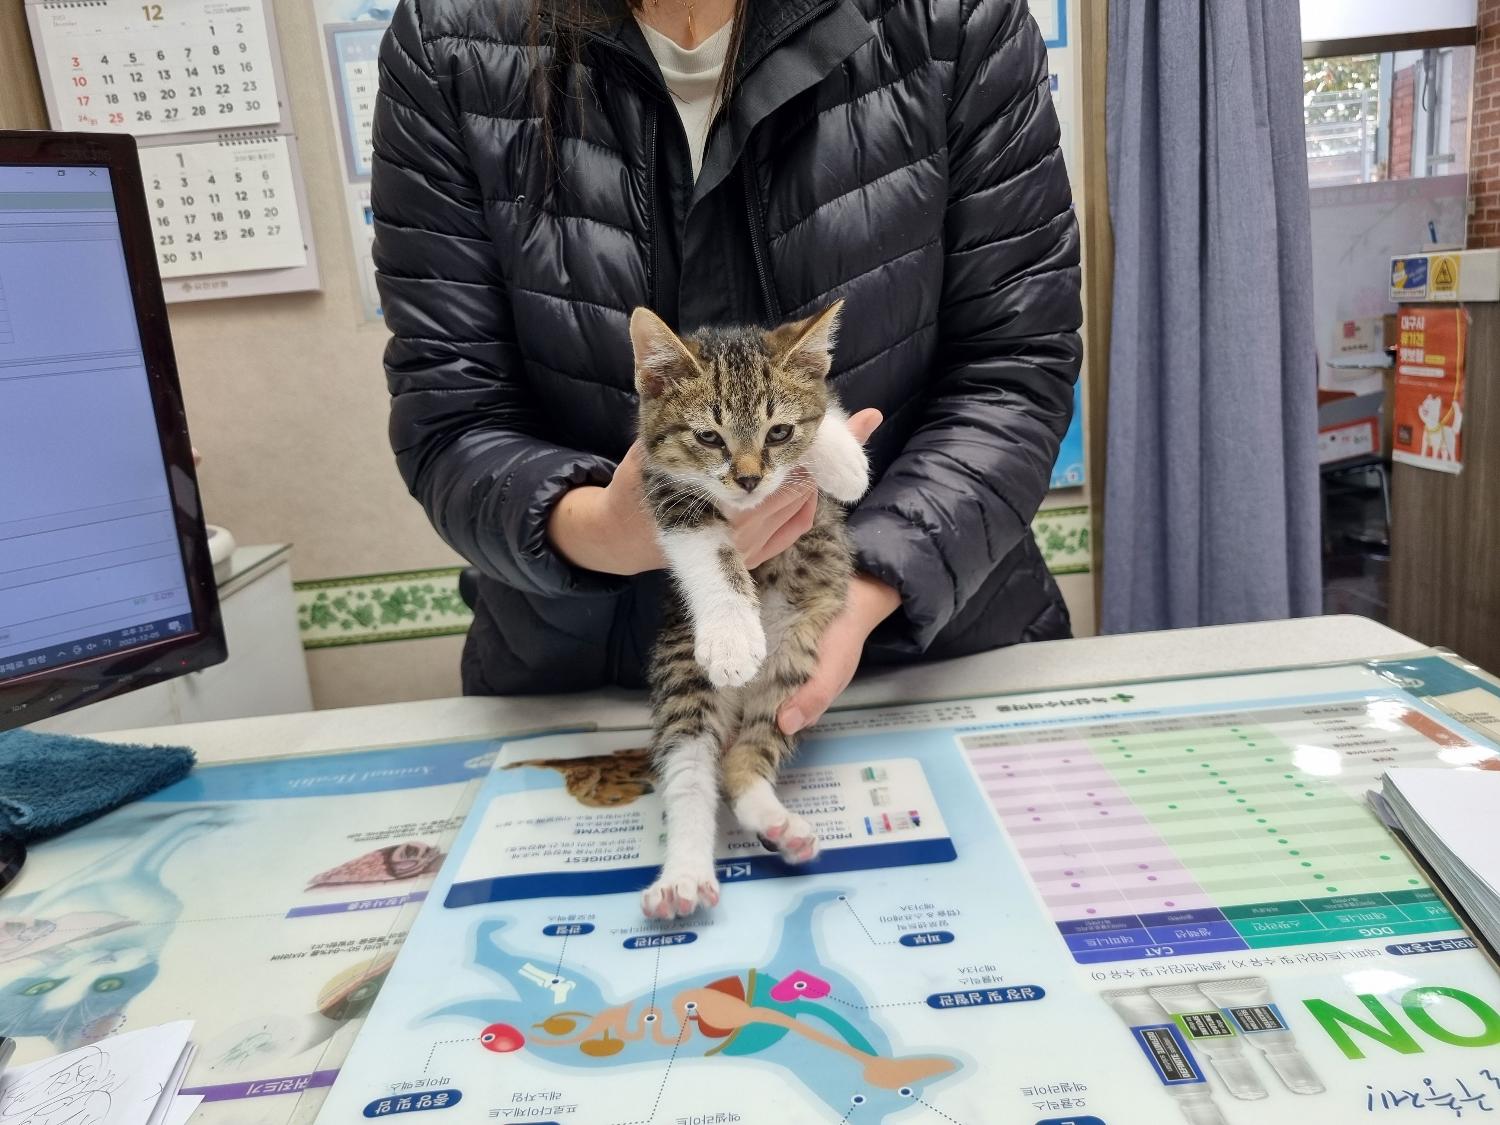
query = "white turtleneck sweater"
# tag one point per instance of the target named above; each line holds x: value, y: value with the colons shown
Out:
x: 693, y: 78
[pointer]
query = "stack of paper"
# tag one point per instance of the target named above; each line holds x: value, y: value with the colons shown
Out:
x: 124, y: 1080
x: 1448, y: 819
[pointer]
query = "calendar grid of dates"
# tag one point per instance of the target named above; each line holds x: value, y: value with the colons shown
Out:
x: 172, y: 67
x: 222, y: 206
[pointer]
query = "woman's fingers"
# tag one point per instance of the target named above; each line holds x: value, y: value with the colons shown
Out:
x: 791, y: 530
x: 865, y: 423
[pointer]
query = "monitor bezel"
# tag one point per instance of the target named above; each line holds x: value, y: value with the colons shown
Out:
x: 50, y: 692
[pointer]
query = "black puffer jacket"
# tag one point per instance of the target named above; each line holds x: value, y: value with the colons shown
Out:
x: 900, y: 153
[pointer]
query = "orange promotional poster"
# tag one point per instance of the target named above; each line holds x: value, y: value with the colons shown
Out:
x: 1428, y: 418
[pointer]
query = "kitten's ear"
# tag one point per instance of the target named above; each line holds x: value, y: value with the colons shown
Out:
x: 806, y: 346
x: 661, y: 358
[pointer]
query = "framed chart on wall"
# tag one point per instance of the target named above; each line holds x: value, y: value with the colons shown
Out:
x: 199, y: 84
x: 351, y: 33
x: 352, y: 55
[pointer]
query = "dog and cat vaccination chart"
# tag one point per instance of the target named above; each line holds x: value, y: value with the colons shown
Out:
x: 1134, y: 904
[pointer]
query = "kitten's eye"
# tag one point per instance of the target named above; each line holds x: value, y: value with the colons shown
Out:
x: 710, y: 438
x: 778, y: 434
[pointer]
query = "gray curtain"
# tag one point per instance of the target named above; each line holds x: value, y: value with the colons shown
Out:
x: 1211, y: 496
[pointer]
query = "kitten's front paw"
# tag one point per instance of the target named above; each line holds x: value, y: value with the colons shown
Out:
x: 841, y: 468
x: 731, y: 651
x: 679, y: 891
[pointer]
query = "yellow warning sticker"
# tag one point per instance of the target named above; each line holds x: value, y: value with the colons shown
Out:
x: 1444, y: 277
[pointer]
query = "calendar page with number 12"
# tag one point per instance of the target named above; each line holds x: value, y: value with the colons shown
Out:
x: 151, y: 68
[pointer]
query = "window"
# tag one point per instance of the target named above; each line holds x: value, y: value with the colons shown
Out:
x: 1391, y: 116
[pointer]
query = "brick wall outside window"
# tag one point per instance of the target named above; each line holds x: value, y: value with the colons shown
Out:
x: 1484, y: 147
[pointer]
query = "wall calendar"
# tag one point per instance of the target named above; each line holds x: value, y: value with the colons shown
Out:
x: 198, y: 83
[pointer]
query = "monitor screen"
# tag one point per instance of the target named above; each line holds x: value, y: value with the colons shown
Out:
x: 94, y: 547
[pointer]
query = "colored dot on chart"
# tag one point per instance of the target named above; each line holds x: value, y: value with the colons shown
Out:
x: 1232, y: 791
x: 1306, y: 864
x: 1091, y: 910
x: 1270, y: 759
x: 1171, y: 806
x: 1320, y: 876
x: 1281, y: 841
x: 1075, y: 884
x: 1223, y: 782
x: 1031, y: 808
x: 1287, y: 776
x: 1144, y: 866
x: 1035, y: 819
x: 1068, y: 873
x: 1294, y: 852
x: 1251, y: 811
x: 1238, y: 800
x: 1130, y: 755
x: 1301, y: 785
x: 1150, y: 878
x: 1385, y: 857
x: 1309, y: 794
x: 1169, y: 902
x: 1103, y: 812
x: 1140, y: 771
x: 1331, y: 890
x: 1414, y: 882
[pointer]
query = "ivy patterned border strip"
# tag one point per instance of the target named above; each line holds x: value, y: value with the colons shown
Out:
x: 381, y: 607
x: 1063, y: 535
x: 365, y: 609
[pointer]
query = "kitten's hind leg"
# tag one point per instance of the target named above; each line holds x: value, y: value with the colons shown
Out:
x: 750, y: 769
x: 689, y: 736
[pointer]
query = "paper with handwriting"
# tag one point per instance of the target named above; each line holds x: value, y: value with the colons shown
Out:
x: 123, y: 1080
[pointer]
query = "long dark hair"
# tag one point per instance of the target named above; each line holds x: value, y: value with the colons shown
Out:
x: 556, y: 33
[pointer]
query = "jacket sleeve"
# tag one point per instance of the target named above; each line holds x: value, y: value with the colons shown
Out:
x: 463, y: 424
x: 999, y: 397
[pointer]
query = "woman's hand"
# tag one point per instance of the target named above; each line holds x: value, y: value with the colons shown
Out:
x: 870, y: 602
x: 609, y: 530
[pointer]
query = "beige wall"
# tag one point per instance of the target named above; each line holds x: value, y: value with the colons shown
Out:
x: 287, y: 402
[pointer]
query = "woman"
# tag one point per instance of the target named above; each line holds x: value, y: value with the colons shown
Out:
x: 542, y: 168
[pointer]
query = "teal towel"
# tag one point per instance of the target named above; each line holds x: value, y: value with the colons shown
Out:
x: 50, y: 783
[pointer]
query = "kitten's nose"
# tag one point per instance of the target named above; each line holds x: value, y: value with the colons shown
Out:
x: 748, y: 481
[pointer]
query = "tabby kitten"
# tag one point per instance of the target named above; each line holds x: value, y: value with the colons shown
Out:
x: 727, y: 416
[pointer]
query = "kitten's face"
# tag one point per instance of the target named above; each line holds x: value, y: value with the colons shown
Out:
x: 731, y: 412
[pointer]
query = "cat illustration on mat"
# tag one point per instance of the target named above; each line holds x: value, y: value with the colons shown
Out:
x: 727, y: 417
x: 793, y: 1011
x: 73, y: 955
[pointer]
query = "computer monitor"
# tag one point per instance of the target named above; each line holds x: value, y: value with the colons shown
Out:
x: 106, y: 584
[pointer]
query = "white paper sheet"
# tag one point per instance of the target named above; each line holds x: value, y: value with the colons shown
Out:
x: 123, y: 1080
